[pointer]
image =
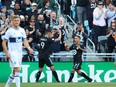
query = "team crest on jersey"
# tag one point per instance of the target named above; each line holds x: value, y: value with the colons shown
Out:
x: 74, y: 52
x: 19, y: 39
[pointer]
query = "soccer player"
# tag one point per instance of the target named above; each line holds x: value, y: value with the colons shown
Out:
x: 14, y: 37
x: 78, y: 49
x: 44, y: 53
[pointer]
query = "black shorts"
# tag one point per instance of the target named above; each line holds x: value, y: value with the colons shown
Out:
x: 77, y: 65
x: 46, y: 61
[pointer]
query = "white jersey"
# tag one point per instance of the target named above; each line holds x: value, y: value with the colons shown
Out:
x: 15, y: 38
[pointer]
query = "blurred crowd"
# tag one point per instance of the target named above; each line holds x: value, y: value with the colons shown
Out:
x: 39, y: 15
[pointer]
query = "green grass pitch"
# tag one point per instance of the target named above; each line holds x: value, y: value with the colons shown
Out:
x: 63, y: 85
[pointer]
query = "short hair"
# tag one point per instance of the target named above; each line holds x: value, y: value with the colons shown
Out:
x: 98, y: 2
x: 47, y: 31
x: 77, y: 36
x: 16, y: 16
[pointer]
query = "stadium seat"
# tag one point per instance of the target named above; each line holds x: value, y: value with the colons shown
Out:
x: 102, y: 44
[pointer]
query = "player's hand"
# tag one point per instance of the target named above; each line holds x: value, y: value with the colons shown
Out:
x: 115, y: 64
x: 66, y: 44
x: 79, y: 47
x: 8, y: 56
x: 31, y: 51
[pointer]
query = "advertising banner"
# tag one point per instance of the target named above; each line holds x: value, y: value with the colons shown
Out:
x: 98, y: 71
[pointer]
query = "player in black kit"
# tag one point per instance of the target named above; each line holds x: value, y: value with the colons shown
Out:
x: 78, y: 49
x: 44, y: 53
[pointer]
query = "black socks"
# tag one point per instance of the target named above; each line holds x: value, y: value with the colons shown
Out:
x: 55, y: 75
x: 38, y: 76
x: 71, y: 77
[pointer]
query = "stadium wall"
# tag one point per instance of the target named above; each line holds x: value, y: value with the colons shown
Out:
x: 98, y: 71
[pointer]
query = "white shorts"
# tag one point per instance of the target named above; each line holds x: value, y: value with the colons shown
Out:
x: 15, y: 60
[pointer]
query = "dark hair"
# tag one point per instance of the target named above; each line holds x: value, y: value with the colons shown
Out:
x: 113, y: 3
x: 45, y: 1
x: 47, y: 31
x: 98, y: 2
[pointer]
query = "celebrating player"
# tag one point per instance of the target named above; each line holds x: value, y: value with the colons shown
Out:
x: 44, y: 53
x: 78, y: 49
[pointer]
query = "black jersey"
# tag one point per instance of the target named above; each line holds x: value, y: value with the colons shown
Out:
x: 77, y: 53
x: 45, y: 47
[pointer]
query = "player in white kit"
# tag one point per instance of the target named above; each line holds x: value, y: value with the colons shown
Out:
x: 12, y: 45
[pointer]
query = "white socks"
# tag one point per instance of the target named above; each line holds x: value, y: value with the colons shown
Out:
x: 10, y: 79
x: 17, y: 79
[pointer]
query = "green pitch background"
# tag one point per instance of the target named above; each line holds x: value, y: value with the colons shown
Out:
x: 64, y: 85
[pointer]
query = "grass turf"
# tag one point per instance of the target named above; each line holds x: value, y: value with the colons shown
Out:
x: 63, y: 85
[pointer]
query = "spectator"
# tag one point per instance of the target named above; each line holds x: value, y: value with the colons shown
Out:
x: 99, y: 22
x: 40, y: 26
x: 26, y: 6
x: 81, y: 10
x: 3, y: 10
x: 17, y: 10
x: 31, y: 28
x: 28, y: 57
x: 0, y: 4
x: 111, y: 13
x: 22, y: 23
x: 90, y: 7
x: 73, y: 9
x: 64, y: 33
x: 32, y: 11
x: 55, y: 46
x: 46, y: 10
x: 46, y: 7
x: 53, y: 20
x: 111, y: 33
x: 7, y: 3
x: 80, y: 31
x: 10, y: 14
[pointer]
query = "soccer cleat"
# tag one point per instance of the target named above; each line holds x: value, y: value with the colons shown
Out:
x: 90, y: 80
x: 58, y: 81
x: 6, y: 86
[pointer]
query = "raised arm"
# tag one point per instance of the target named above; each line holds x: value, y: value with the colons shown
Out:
x: 59, y: 38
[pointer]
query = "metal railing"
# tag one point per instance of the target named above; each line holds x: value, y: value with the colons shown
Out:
x: 88, y: 46
x: 98, y: 56
x: 88, y: 39
x: 69, y: 55
x: 68, y: 17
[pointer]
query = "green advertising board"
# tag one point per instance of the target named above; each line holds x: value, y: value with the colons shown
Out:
x: 98, y: 71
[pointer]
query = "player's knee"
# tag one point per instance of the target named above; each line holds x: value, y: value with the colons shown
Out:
x: 17, y: 74
x: 16, y: 69
x: 73, y: 70
x: 79, y: 72
x: 40, y: 70
x: 52, y: 68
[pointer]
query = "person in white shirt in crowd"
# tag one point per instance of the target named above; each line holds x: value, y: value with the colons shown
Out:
x: 99, y: 22
x: 14, y: 37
